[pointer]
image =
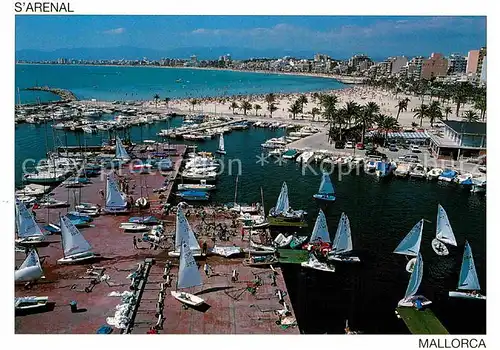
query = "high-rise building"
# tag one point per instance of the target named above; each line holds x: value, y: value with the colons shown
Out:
x: 483, y: 70
x: 482, y: 55
x: 434, y: 66
x: 414, y: 67
x: 396, y: 64
x: 472, y: 60
x: 457, y: 64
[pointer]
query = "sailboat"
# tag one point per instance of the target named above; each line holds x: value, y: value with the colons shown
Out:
x: 342, y: 243
x: 115, y: 200
x: 468, y: 283
x: 28, y: 231
x: 120, y: 152
x: 183, y: 230
x: 410, y: 245
x: 314, y: 263
x: 444, y: 233
x: 75, y: 246
x: 242, y: 208
x: 282, y: 208
x: 188, y: 276
x: 320, y: 232
x: 326, y: 191
x: 221, y: 149
x: 410, y: 298
x: 30, y: 270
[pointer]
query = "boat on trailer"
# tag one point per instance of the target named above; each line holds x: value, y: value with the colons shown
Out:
x: 116, y: 202
x: 183, y: 229
x: 30, y: 303
x: 188, y: 276
x: 411, y: 299
x: 410, y: 245
x: 75, y: 247
x: 444, y: 233
x: 326, y: 190
x: 468, y: 283
x: 28, y: 231
x: 30, y: 270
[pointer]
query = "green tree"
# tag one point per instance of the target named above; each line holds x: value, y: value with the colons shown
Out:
x: 295, y: 109
x: 367, y: 117
x: 387, y: 123
x: 480, y: 105
x: 193, y: 102
x: 257, y: 107
x: 461, y: 94
x: 434, y: 112
x: 271, y: 108
x: 421, y: 113
x: 167, y: 100
x: 351, y: 112
x: 402, y: 106
x: 470, y: 116
x: 270, y: 98
x: 156, y: 98
x: 302, y: 101
x: 314, y: 112
x: 233, y: 106
x: 245, y: 106
x: 447, y: 111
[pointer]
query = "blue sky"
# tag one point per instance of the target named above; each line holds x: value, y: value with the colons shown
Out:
x: 378, y: 36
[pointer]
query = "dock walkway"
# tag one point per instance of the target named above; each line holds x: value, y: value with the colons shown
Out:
x: 421, y: 321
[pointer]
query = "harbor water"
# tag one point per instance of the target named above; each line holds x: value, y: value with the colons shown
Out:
x: 381, y: 213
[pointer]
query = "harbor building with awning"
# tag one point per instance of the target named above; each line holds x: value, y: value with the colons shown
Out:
x: 459, y: 139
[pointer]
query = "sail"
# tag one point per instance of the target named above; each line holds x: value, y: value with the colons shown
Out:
x: 326, y: 186
x: 114, y: 198
x: 32, y: 259
x: 72, y: 240
x: 415, y: 278
x: 342, y: 242
x: 183, y: 232
x: 282, y: 205
x: 410, y: 245
x: 221, y: 142
x: 320, y: 231
x: 26, y: 224
x: 120, y: 152
x: 189, y: 276
x: 468, y: 277
x: 444, y: 232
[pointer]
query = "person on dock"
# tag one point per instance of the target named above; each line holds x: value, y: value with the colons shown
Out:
x: 242, y: 233
x: 204, y: 248
x: 135, y: 242
x: 206, y: 268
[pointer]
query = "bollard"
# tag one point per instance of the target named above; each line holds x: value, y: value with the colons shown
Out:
x: 166, y: 272
x: 234, y: 277
x: 168, y: 281
x: 280, y: 296
x: 74, y: 306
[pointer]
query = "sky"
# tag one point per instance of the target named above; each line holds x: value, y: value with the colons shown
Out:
x: 335, y: 35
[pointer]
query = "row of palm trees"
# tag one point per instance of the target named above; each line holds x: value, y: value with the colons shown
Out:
x: 434, y: 112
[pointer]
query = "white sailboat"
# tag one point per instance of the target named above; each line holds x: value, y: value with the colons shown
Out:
x: 342, y: 243
x: 75, y: 246
x: 468, y: 283
x: 326, y: 191
x: 444, y: 233
x: 313, y: 263
x: 320, y: 232
x: 183, y: 231
x: 221, y: 148
x: 30, y: 270
x: 115, y: 200
x: 120, y: 152
x: 28, y: 231
x: 411, y: 299
x: 188, y: 276
x: 283, y: 209
x: 410, y: 245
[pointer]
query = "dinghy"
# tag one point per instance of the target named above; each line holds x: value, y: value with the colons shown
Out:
x: 468, y: 283
x: 298, y: 241
x: 183, y: 229
x: 115, y: 200
x: 410, y: 245
x: 313, y: 263
x: 342, y: 243
x: 30, y: 270
x: 320, y: 232
x: 75, y: 247
x: 188, y: 276
x: 133, y: 227
x: 281, y: 241
x: 120, y: 152
x: 30, y: 303
x: 53, y: 203
x: 221, y: 149
x: 444, y: 233
x: 260, y: 261
x: 411, y: 299
x: 282, y: 208
x: 326, y: 191
x: 28, y: 231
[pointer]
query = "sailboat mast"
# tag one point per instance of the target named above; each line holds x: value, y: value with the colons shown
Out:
x: 236, y: 190
x: 262, y: 200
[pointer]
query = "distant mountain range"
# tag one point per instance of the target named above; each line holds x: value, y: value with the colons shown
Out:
x: 132, y: 53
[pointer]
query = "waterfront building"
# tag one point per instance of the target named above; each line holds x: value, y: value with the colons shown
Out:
x: 434, y: 66
x: 414, y: 67
x: 483, y: 71
x: 457, y: 64
x: 472, y: 60
x: 396, y: 64
x: 480, y: 59
x: 356, y: 60
x: 459, y: 139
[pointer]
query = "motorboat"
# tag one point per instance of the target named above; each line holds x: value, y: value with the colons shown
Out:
x: 434, y: 173
x: 314, y: 263
x: 402, y: 170
x: 447, y: 175
x: 418, y: 171
x: 133, y: 227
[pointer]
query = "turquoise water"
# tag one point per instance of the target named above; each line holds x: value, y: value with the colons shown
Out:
x: 142, y: 83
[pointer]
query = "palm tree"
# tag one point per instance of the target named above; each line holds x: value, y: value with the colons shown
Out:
x: 167, y: 100
x: 447, y: 111
x: 156, y: 98
x: 461, y: 94
x: 367, y: 117
x: 387, y: 123
x: 314, y: 111
x: 421, y: 112
x: 193, y: 103
x: 480, y: 105
x: 302, y: 100
x: 271, y: 108
x: 245, y: 106
x: 295, y: 108
x: 270, y: 98
x: 328, y: 102
x: 351, y: 111
x: 402, y: 106
x: 233, y: 106
x: 257, y: 107
x: 315, y: 96
x: 470, y: 116
x: 434, y: 112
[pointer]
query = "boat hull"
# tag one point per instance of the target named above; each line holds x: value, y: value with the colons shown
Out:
x: 77, y: 258
x: 324, y: 197
x: 346, y: 259
x: 220, y: 151
x: 466, y: 295
x: 410, y: 302
x: 176, y: 254
x: 33, y: 304
x: 410, y: 265
x: 319, y: 267
x: 187, y: 298
x: 439, y: 247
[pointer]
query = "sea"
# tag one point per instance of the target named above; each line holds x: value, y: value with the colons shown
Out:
x: 381, y: 213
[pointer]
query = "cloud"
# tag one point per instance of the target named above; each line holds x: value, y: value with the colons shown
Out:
x: 115, y: 31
